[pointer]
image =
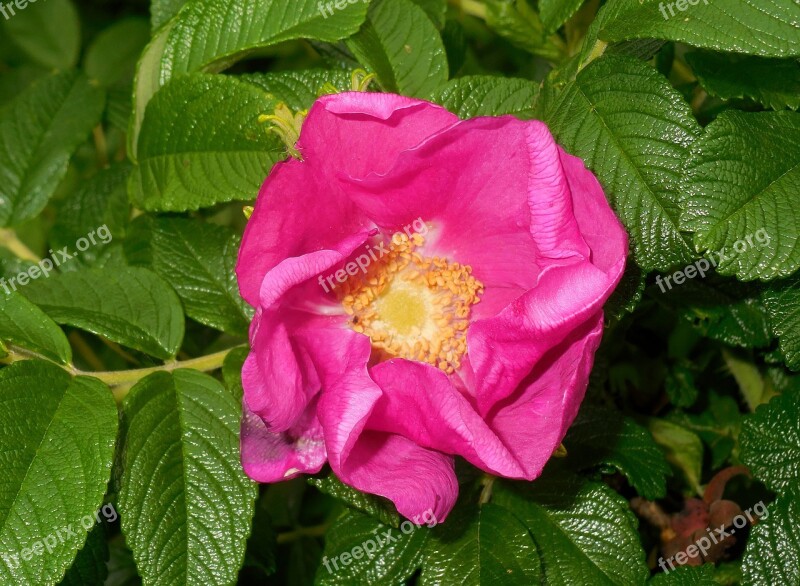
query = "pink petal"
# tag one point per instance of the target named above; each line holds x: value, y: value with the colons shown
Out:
x: 416, y: 480
x: 279, y: 376
x: 272, y: 457
x: 376, y: 462
x: 599, y: 226
x: 357, y: 133
x: 534, y: 421
x: 339, y: 135
x: 508, y: 217
x: 421, y: 403
x: 503, y: 349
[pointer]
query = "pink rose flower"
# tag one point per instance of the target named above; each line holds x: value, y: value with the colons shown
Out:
x: 424, y: 287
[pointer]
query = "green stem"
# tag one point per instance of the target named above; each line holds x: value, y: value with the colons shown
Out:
x: 486, y: 493
x: 122, y: 381
x: 316, y: 531
x: 471, y: 7
x: 9, y: 239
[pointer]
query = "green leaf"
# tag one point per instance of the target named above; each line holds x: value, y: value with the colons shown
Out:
x: 435, y: 9
x: 680, y: 385
x: 518, y: 23
x: 373, y: 505
x: 487, y: 95
x: 113, y: 54
x: 684, y: 448
x: 686, y: 576
x: 402, y: 46
x: 57, y: 437
x: 782, y: 300
x: 740, y: 196
x: 163, y: 10
x: 48, y: 31
x: 201, y: 144
x: 393, y: 557
x: 724, y: 310
x: 602, y: 436
x: 770, y: 442
x: 89, y: 567
x: 131, y: 306
x: 718, y: 426
x: 758, y: 27
x: 39, y: 131
x: 24, y: 324
x: 772, y: 82
x: 585, y: 532
x: 189, y: 522
x: 628, y: 294
x: 554, y: 13
x: 485, y: 545
x: 199, y: 261
x: 298, y: 89
x: 97, y: 205
x: 773, y: 550
x: 633, y: 130
x: 211, y: 35
x: 748, y: 378
x: 232, y: 371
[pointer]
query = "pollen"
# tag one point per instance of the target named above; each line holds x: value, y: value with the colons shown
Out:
x: 413, y: 306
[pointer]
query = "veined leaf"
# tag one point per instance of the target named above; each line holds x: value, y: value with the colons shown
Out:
x: 39, y: 131
x: 298, y: 89
x: 782, y: 300
x: 487, y: 95
x: 131, y: 306
x: 485, y: 545
x: 554, y: 13
x: 634, y: 131
x: 770, y: 442
x: 402, y: 46
x: 22, y: 323
x: 370, y: 504
x: 772, y: 82
x: 201, y: 144
x: 773, y: 550
x: 211, y: 35
x: 388, y: 555
x: 585, y: 532
x: 57, y: 437
x: 188, y: 524
x: 768, y: 28
x: 741, y: 196
x: 198, y: 259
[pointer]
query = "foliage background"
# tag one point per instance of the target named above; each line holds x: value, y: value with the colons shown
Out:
x: 688, y: 121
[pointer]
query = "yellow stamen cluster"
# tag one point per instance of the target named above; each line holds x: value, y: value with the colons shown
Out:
x: 412, y: 306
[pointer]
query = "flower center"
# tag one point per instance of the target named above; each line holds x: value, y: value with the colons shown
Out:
x: 412, y: 306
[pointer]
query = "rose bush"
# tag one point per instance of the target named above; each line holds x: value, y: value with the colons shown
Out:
x: 471, y: 335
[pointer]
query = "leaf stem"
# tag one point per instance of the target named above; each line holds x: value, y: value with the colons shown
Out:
x: 315, y: 531
x: 100, y: 145
x: 121, y: 381
x: 10, y: 240
x: 486, y: 493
